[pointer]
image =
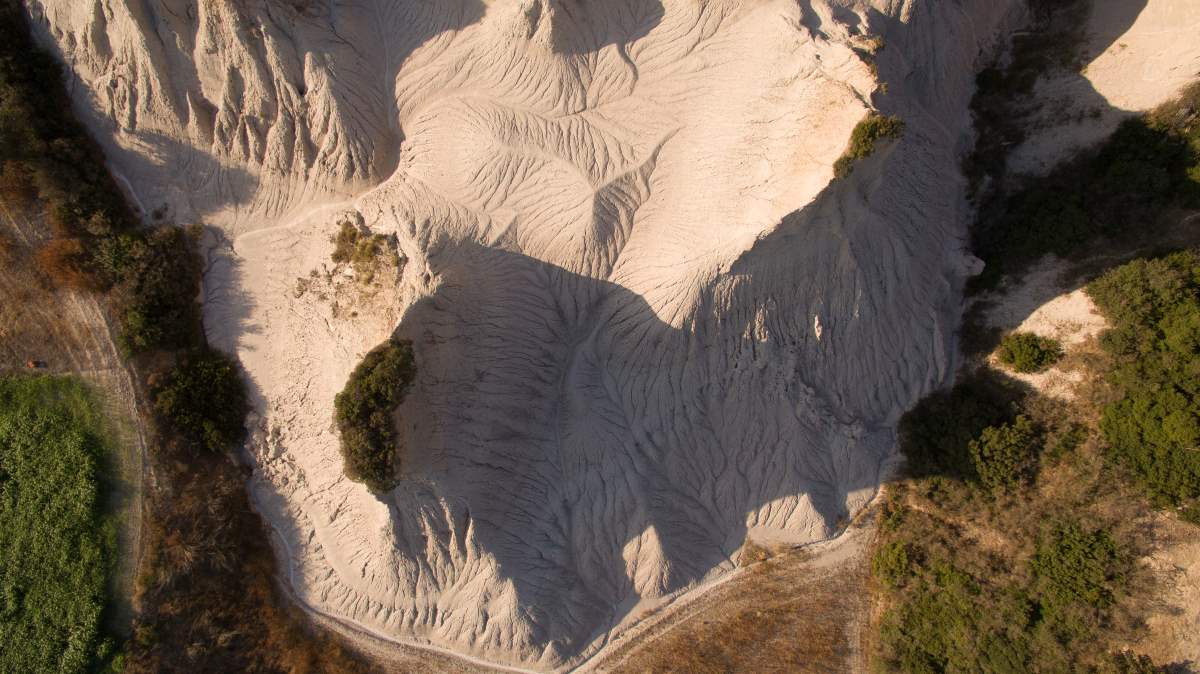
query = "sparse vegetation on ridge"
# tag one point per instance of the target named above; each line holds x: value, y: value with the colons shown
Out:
x: 363, y: 251
x: 364, y: 409
x: 1011, y: 544
x: 1026, y: 352
x: 873, y: 128
x: 57, y: 544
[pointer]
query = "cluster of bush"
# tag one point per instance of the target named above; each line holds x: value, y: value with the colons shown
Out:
x: 363, y: 251
x: 364, y: 413
x: 1044, y: 617
x: 1048, y: 600
x: 872, y: 129
x: 1026, y: 352
x: 1153, y: 424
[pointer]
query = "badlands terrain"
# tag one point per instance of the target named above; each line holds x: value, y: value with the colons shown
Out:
x: 649, y: 323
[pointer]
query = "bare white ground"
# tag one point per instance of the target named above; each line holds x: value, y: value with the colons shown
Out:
x: 646, y: 323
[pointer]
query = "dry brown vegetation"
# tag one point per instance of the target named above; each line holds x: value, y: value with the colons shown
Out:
x: 207, y: 595
x: 783, y: 614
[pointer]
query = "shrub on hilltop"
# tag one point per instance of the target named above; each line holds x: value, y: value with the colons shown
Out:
x: 863, y: 138
x: 363, y: 412
x: 1153, y: 426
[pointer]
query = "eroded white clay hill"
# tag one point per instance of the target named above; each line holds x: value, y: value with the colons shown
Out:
x: 648, y: 323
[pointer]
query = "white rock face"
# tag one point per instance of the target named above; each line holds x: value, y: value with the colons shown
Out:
x: 647, y: 323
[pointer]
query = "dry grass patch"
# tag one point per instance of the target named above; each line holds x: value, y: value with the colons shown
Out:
x: 785, y: 616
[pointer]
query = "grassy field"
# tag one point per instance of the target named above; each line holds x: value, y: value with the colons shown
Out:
x: 56, y: 543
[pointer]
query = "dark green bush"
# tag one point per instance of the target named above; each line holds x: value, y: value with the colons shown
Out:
x: 1153, y: 428
x: 1072, y: 565
x: 1026, y: 352
x: 203, y: 400
x: 1005, y: 456
x: 873, y: 128
x: 363, y: 412
x: 155, y: 296
x: 890, y: 564
x: 936, y: 435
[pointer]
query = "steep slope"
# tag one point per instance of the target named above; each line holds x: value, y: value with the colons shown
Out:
x: 647, y: 325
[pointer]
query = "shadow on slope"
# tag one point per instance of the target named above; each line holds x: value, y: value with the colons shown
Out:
x: 601, y: 454
x: 579, y: 29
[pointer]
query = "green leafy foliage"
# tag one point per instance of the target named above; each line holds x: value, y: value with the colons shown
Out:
x: 1026, y: 352
x: 936, y: 435
x: 1153, y: 427
x: 890, y: 563
x: 1005, y: 456
x: 873, y: 128
x: 56, y: 544
x: 363, y: 412
x: 1074, y: 565
x: 154, y: 298
x: 203, y: 400
x: 950, y: 623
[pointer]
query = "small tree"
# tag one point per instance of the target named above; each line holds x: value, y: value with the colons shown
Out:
x: 866, y: 133
x: 203, y: 400
x: 1026, y: 352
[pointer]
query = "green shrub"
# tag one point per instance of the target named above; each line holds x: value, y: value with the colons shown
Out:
x: 1153, y: 428
x: 56, y: 544
x: 203, y: 400
x: 1005, y: 456
x: 936, y: 435
x: 949, y: 624
x: 1026, y: 352
x: 1075, y: 565
x: 890, y: 564
x: 154, y: 298
x: 363, y: 412
x: 873, y: 128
